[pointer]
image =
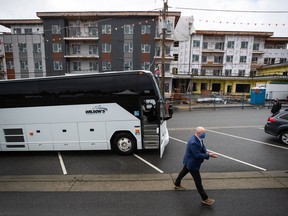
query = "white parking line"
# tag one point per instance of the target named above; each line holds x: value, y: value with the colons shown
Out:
x: 251, y: 140
x: 222, y: 155
x: 151, y: 165
x: 62, y: 164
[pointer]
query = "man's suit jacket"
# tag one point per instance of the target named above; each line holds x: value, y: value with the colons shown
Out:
x: 195, y: 154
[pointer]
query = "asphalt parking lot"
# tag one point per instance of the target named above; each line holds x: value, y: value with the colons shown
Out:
x: 249, y: 176
x: 236, y: 135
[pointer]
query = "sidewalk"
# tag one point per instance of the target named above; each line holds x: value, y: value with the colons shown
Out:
x: 198, y: 106
x: 143, y: 182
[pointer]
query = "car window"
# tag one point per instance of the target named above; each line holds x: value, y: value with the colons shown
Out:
x: 285, y: 116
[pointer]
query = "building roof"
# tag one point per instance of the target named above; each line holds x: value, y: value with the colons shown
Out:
x: 8, y: 22
x: 94, y: 15
x: 277, y: 39
x: 88, y: 15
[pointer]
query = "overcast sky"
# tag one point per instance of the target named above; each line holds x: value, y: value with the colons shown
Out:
x: 204, y: 18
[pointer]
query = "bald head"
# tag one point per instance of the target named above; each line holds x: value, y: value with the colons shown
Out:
x: 200, y: 130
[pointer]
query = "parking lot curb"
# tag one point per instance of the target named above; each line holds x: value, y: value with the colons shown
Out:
x: 142, y: 182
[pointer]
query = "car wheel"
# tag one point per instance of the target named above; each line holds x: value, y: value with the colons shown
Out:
x: 124, y: 143
x: 284, y: 137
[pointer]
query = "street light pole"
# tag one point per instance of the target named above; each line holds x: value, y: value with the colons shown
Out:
x: 164, y: 28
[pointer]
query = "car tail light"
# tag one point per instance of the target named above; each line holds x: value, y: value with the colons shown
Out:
x: 271, y: 120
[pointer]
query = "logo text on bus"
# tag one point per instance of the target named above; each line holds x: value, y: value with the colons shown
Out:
x: 97, y: 110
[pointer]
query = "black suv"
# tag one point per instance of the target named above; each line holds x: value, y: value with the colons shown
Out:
x: 277, y: 125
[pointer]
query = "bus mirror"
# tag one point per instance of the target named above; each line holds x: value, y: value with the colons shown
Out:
x: 167, y: 117
x: 170, y: 110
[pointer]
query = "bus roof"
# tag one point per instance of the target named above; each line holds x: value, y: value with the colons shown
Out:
x: 78, y: 75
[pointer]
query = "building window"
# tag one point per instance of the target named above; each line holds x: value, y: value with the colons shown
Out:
x: 228, y: 72
x: 194, y: 71
x: 57, y: 65
x: 93, y: 31
x: 195, y: 58
x: 269, y: 60
x: 57, y: 47
x: 244, y: 44
x: 157, y: 50
x: 76, y: 49
x: 218, y: 59
x: 38, y: 65
x: 256, y: 46
x: 242, y: 88
x: 106, y: 66
x: 216, y: 87
x: 23, y: 65
x: 74, y: 31
x: 128, y: 65
x: 205, y: 45
x: 77, y: 66
x: 128, y: 29
x: 145, y: 29
x: 203, y: 72
x: 241, y: 73
x: 128, y: 47
x: 93, y: 66
x: 17, y: 31
x: 9, y: 64
x: 196, y: 43
x: 254, y: 60
x: 204, y: 59
x: 217, y: 72
x: 106, y: 48
x: 175, y: 57
x: 252, y: 73
x: 36, y: 47
x: 176, y: 43
x: 56, y: 29
x: 8, y: 47
x: 93, y: 49
x: 168, y: 50
x: 28, y: 31
x: 106, y: 29
x: 145, y: 65
x: 230, y: 44
x: 219, y: 46
x: 167, y: 67
x: 145, y: 48
x: 229, y: 58
x: 283, y: 60
x: 22, y: 47
x: 243, y: 59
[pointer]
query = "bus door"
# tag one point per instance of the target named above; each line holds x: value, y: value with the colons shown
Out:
x: 150, y: 124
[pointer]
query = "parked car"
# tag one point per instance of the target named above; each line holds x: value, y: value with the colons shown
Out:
x: 277, y: 125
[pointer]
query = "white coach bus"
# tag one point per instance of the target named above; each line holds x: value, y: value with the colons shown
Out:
x: 122, y: 111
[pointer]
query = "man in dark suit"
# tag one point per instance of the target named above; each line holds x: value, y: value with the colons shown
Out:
x: 194, y: 157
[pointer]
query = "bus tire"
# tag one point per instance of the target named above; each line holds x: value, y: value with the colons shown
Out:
x: 124, y: 144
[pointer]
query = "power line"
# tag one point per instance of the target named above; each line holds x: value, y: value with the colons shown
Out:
x: 230, y: 11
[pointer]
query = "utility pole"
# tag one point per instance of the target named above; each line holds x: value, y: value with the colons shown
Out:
x: 164, y: 28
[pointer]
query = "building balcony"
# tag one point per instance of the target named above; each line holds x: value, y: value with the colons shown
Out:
x: 213, y: 51
x: 82, y: 56
x: 254, y: 65
x: 259, y: 52
x: 167, y: 58
x: 212, y: 64
x: 81, y: 37
x: 168, y: 39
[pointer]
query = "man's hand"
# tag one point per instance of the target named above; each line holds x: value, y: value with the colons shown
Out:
x: 212, y: 154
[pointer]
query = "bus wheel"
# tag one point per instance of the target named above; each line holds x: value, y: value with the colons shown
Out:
x: 124, y: 143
